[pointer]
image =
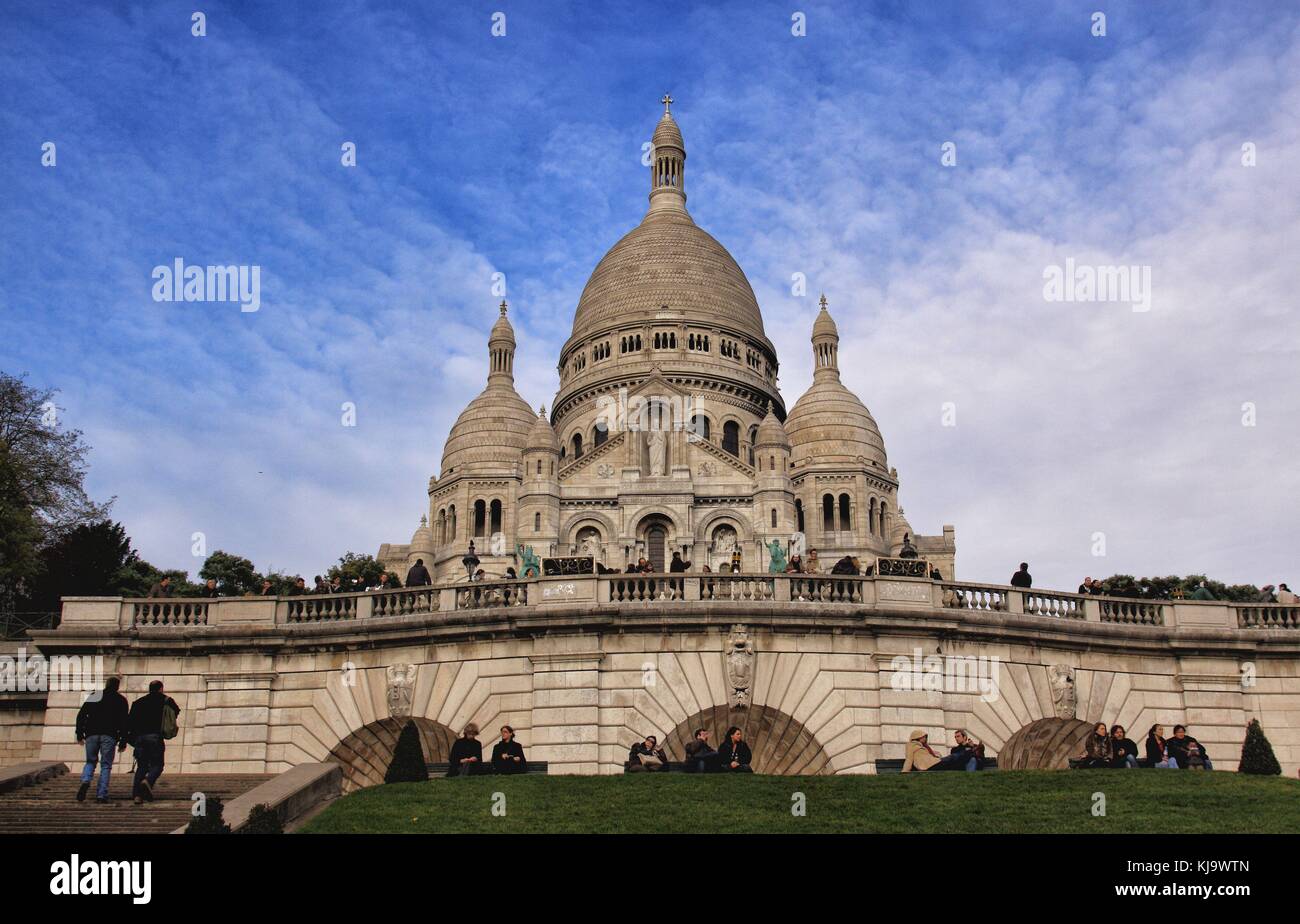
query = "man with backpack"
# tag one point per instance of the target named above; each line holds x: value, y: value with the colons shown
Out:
x: 152, y: 721
x: 101, y: 724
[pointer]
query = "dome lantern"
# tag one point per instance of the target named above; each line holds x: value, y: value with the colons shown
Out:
x: 667, y: 163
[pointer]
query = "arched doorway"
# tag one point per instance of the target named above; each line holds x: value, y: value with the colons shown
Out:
x: 781, y: 745
x: 366, y: 753
x: 656, y: 546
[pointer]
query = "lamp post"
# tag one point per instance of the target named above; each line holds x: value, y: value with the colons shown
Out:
x: 470, y: 561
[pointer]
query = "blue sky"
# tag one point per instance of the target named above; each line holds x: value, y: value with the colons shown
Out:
x: 521, y: 154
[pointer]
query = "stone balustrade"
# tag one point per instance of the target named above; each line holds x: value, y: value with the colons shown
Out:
x: 873, y: 593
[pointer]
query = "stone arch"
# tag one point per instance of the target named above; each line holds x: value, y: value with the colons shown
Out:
x: 652, y: 511
x: 569, y: 531
x: 781, y: 744
x: 1045, y: 744
x: 366, y: 753
x: 704, y: 528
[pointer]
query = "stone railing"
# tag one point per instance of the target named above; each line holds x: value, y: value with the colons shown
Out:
x: 911, y: 595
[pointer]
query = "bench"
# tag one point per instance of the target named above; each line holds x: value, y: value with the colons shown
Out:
x: 896, y: 766
x: 673, y: 766
x: 441, y: 768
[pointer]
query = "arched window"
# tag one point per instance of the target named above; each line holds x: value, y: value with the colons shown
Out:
x: 798, y: 515
x: 871, y: 517
x: 539, y: 466
x: 442, y: 526
x: 771, y: 463
x: 828, y: 513
x: 884, y: 519
x: 496, y: 517
x: 480, y: 519
x: 577, y: 445
x: 600, y: 434
x: 700, y: 426
x: 451, y: 523
x: 846, y: 515
x: 774, y: 518
x: 731, y: 438
x: 537, y: 522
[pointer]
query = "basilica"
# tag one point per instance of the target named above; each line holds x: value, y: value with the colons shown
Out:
x: 668, y: 433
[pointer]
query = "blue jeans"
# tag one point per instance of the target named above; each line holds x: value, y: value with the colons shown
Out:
x: 99, y: 749
x: 149, y: 753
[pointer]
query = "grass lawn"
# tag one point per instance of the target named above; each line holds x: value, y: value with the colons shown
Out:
x: 1061, y: 802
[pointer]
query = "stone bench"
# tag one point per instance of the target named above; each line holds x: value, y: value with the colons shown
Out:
x: 534, y: 766
x: 673, y: 766
x: 896, y: 766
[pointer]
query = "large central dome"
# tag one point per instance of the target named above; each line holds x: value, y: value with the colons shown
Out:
x: 668, y: 260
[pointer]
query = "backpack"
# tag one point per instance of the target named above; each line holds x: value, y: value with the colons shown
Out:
x: 169, y: 716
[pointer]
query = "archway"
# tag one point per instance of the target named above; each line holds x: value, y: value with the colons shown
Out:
x: 366, y: 753
x: 1045, y: 744
x: 781, y: 745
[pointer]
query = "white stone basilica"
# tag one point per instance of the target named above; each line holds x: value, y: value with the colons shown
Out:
x: 667, y: 332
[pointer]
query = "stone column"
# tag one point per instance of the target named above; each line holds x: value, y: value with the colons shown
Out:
x: 235, y: 722
x: 566, y: 703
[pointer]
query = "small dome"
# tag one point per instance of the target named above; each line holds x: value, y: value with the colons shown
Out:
x: 490, y: 433
x: 502, y: 331
x: 830, y: 424
x: 824, y: 326
x: 771, y: 433
x: 542, y: 435
x: 667, y: 133
x: 421, y: 539
x: 900, y: 529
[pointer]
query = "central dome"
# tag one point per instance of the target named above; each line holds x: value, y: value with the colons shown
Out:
x: 668, y: 260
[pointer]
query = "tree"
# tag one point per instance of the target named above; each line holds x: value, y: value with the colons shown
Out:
x: 210, y: 822
x: 93, y: 560
x: 408, y: 764
x: 234, y: 575
x: 1257, y: 754
x: 357, y: 571
x: 1162, y: 588
x: 20, y: 536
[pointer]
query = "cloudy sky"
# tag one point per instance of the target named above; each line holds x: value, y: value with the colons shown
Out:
x: 1172, y: 432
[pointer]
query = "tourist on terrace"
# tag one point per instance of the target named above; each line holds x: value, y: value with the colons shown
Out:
x: 733, y: 754
x: 700, y: 757
x: 336, y: 585
x: 647, y: 566
x: 1157, y: 749
x: 794, y: 565
x: 1124, y: 752
x: 321, y: 585
x: 1022, y: 578
x: 162, y: 588
x: 935, y: 574
x: 633, y: 567
x: 1284, y: 595
x: 677, y: 566
x: 418, y: 575
x: 1202, y: 592
x: 812, y: 565
x: 1086, y: 586
x: 647, y: 756
x: 209, y: 589
x: 299, y: 587
x: 511, y: 574
x: 101, y: 724
x: 508, y: 754
x: 845, y: 565
x: 145, y: 732
x: 466, y: 754
x: 1187, y: 751
x: 1266, y: 594
x: 1098, y: 749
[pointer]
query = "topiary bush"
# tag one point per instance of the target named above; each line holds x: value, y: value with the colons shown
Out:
x: 408, y: 764
x: 1257, y: 754
x: 211, y: 822
x: 262, y: 820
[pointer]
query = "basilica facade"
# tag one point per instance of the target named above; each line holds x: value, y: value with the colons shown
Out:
x: 668, y: 432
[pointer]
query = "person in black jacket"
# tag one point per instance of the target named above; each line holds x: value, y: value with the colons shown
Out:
x: 1022, y: 578
x: 101, y: 724
x: 677, y: 565
x: 1158, y: 750
x: 647, y: 755
x: 144, y: 730
x: 700, y: 756
x: 418, y: 576
x: 1124, y: 752
x: 210, y: 589
x: 466, y: 754
x: 508, y: 754
x: 1189, y: 752
x: 733, y: 754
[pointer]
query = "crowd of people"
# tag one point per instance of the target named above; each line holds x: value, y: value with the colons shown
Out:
x: 1114, y: 750
x: 106, y: 726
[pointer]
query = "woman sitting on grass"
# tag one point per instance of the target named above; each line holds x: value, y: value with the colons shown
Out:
x: 1157, y: 750
x: 1099, y: 751
x: 1124, y: 754
x: 508, y: 754
x: 466, y: 754
x: 734, y: 752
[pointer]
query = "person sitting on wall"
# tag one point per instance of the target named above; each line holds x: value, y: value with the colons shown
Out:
x: 466, y: 754
x: 1158, y: 750
x: 1098, y: 750
x: 647, y: 756
x: 700, y: 757
x: 1124, y: 752
x: 508, y: 754
x: 734, y: 754
x: 1187, y: 751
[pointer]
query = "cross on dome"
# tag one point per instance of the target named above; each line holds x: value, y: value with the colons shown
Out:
x: 667, y: 101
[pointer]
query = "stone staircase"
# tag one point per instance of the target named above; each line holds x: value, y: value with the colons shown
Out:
x: 50, y: 807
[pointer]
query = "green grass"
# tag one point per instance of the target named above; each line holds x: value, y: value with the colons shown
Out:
x: 1139, y: 801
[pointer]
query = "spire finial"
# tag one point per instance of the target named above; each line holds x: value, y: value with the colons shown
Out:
x: 667, y: 101
x: 541, y: 411
x: 504, y: 306
x: 822, y: 301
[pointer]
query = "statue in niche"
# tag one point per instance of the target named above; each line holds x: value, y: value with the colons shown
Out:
x: 724, y: 540
x: 1064, y: 696
x: 658, y: 444
x: 401, y: 689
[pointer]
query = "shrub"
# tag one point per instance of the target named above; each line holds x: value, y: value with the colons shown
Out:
x: 1257, y: 754
x: 262, y: 820
x: 408, y: 764
x: 211, y: 822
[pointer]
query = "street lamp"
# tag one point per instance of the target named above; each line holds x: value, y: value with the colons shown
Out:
x: 470, y: 561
